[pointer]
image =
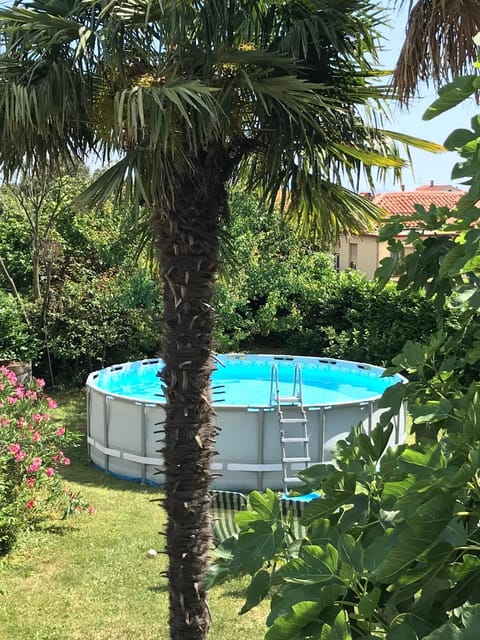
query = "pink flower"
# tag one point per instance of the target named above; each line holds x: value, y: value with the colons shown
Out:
x: 20, y: 456
x: 35, y: 465
x: 36, y: 436
x: 21, y: 422
x: 31, y: 395
x: 30, y: 504
x: 11, y: 377
x: 41, y: 382
x: 91, y: 510
x: 4, y: 422
x: 14, y: 448
x: 30, y: 483
x: 50, y: 471
x: 36, y: 417
x: 60, y: 432
x: 66, y: 461
x: 12, y: 399
x: 19, y: 392
x: 51, y: 403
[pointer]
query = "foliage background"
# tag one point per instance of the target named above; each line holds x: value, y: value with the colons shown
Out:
x: 101, y: 303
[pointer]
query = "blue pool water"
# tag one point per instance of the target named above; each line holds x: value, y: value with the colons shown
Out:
x: 241, y: 380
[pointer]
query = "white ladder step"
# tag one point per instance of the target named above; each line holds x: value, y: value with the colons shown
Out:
x: 288, y: 399
x: 292, y: 480
x: 292, y: 420
x: 302, y: 459
x: 294, y: 440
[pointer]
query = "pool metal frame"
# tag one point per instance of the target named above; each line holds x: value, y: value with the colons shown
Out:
x: 240, y: 464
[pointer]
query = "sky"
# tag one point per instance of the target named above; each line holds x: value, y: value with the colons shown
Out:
x: 426, y: 166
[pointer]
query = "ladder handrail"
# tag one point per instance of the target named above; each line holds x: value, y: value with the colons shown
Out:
x: 275, y: 385
x: 274, y: 381
x: 297, y: 379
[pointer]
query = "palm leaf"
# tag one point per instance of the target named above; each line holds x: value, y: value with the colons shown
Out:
x: 439, y: 44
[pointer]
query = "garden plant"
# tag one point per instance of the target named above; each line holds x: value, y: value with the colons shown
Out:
x: 31, y: 457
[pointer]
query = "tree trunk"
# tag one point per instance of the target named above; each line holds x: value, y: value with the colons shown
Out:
x: 187, y: 241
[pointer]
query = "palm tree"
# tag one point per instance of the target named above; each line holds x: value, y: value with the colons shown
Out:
x: 188, y: 97
x: 439, y: 43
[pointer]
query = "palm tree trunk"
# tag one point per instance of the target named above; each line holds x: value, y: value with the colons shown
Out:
x: 187, y: 241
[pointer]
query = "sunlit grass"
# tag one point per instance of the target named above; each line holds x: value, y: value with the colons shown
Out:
x: 89, y: 577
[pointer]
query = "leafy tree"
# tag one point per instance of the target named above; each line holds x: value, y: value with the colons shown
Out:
x: 192, y: 95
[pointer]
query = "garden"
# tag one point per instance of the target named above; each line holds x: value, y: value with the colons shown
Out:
x: 391, y: 549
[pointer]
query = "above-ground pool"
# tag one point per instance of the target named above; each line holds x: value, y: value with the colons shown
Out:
x: 319, y: 400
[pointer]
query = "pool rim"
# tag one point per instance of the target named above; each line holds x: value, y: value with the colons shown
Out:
x: 242, y: 356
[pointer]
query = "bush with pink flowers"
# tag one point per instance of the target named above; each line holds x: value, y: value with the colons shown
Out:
x: 31, y: 455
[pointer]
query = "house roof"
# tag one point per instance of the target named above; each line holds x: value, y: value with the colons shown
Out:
x: 403, y: 202
x: 438, y: 187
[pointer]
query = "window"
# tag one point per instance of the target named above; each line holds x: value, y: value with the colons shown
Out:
x: 353, y: 255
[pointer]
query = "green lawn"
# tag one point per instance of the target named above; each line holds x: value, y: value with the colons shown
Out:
x: 89, y: 577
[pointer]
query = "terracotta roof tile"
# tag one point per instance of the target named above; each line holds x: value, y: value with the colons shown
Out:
x: 403, y: 202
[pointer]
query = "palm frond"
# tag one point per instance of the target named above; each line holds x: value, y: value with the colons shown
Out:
x: 415, y: 142
x: 439, y: 44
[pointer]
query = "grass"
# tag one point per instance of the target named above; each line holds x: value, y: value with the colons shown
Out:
x: 89, y: 577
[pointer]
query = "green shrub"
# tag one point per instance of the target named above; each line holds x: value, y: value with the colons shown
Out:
x: 281, y: 292
x: 18, y: 341
x: 100, y: 320
x: 31, y: 453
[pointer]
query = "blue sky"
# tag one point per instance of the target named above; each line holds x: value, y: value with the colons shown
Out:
x: 426, y: 166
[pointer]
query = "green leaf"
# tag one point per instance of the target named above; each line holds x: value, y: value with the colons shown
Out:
x: 368, y: 603
x: 452, y: 94
x: 377, y: 552
x: 397, y: 488
x: 340, y: 630
x: 432, y: 411
x: 422, y: 461
x: 324, y: 507
x: 257, y: 590
x: 429, y: 521
x: 257, y: 545
x: 244, y: 519
x: 291, y: 594
x: 356, y: 513
x: 402, y: 632
x: 315, y: 566
x: 458, y: 138
x: 412, y: 356
x: 291, y: 624
x: 267, y: 504
x: 385, y: 271
x: 380, y: 437
x: 350, y: 552
x: 393, y: 397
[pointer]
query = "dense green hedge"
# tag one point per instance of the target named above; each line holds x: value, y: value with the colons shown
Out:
x: 282, y: 294
x: 276, y: 292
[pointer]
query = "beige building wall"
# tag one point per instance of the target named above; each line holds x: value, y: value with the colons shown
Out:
x: 365, y: 252
x: 359, y: 252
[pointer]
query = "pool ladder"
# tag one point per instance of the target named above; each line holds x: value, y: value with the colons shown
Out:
x: 293, y: 430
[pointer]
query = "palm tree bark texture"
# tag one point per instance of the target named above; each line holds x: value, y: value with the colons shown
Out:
x: 187, y: 243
